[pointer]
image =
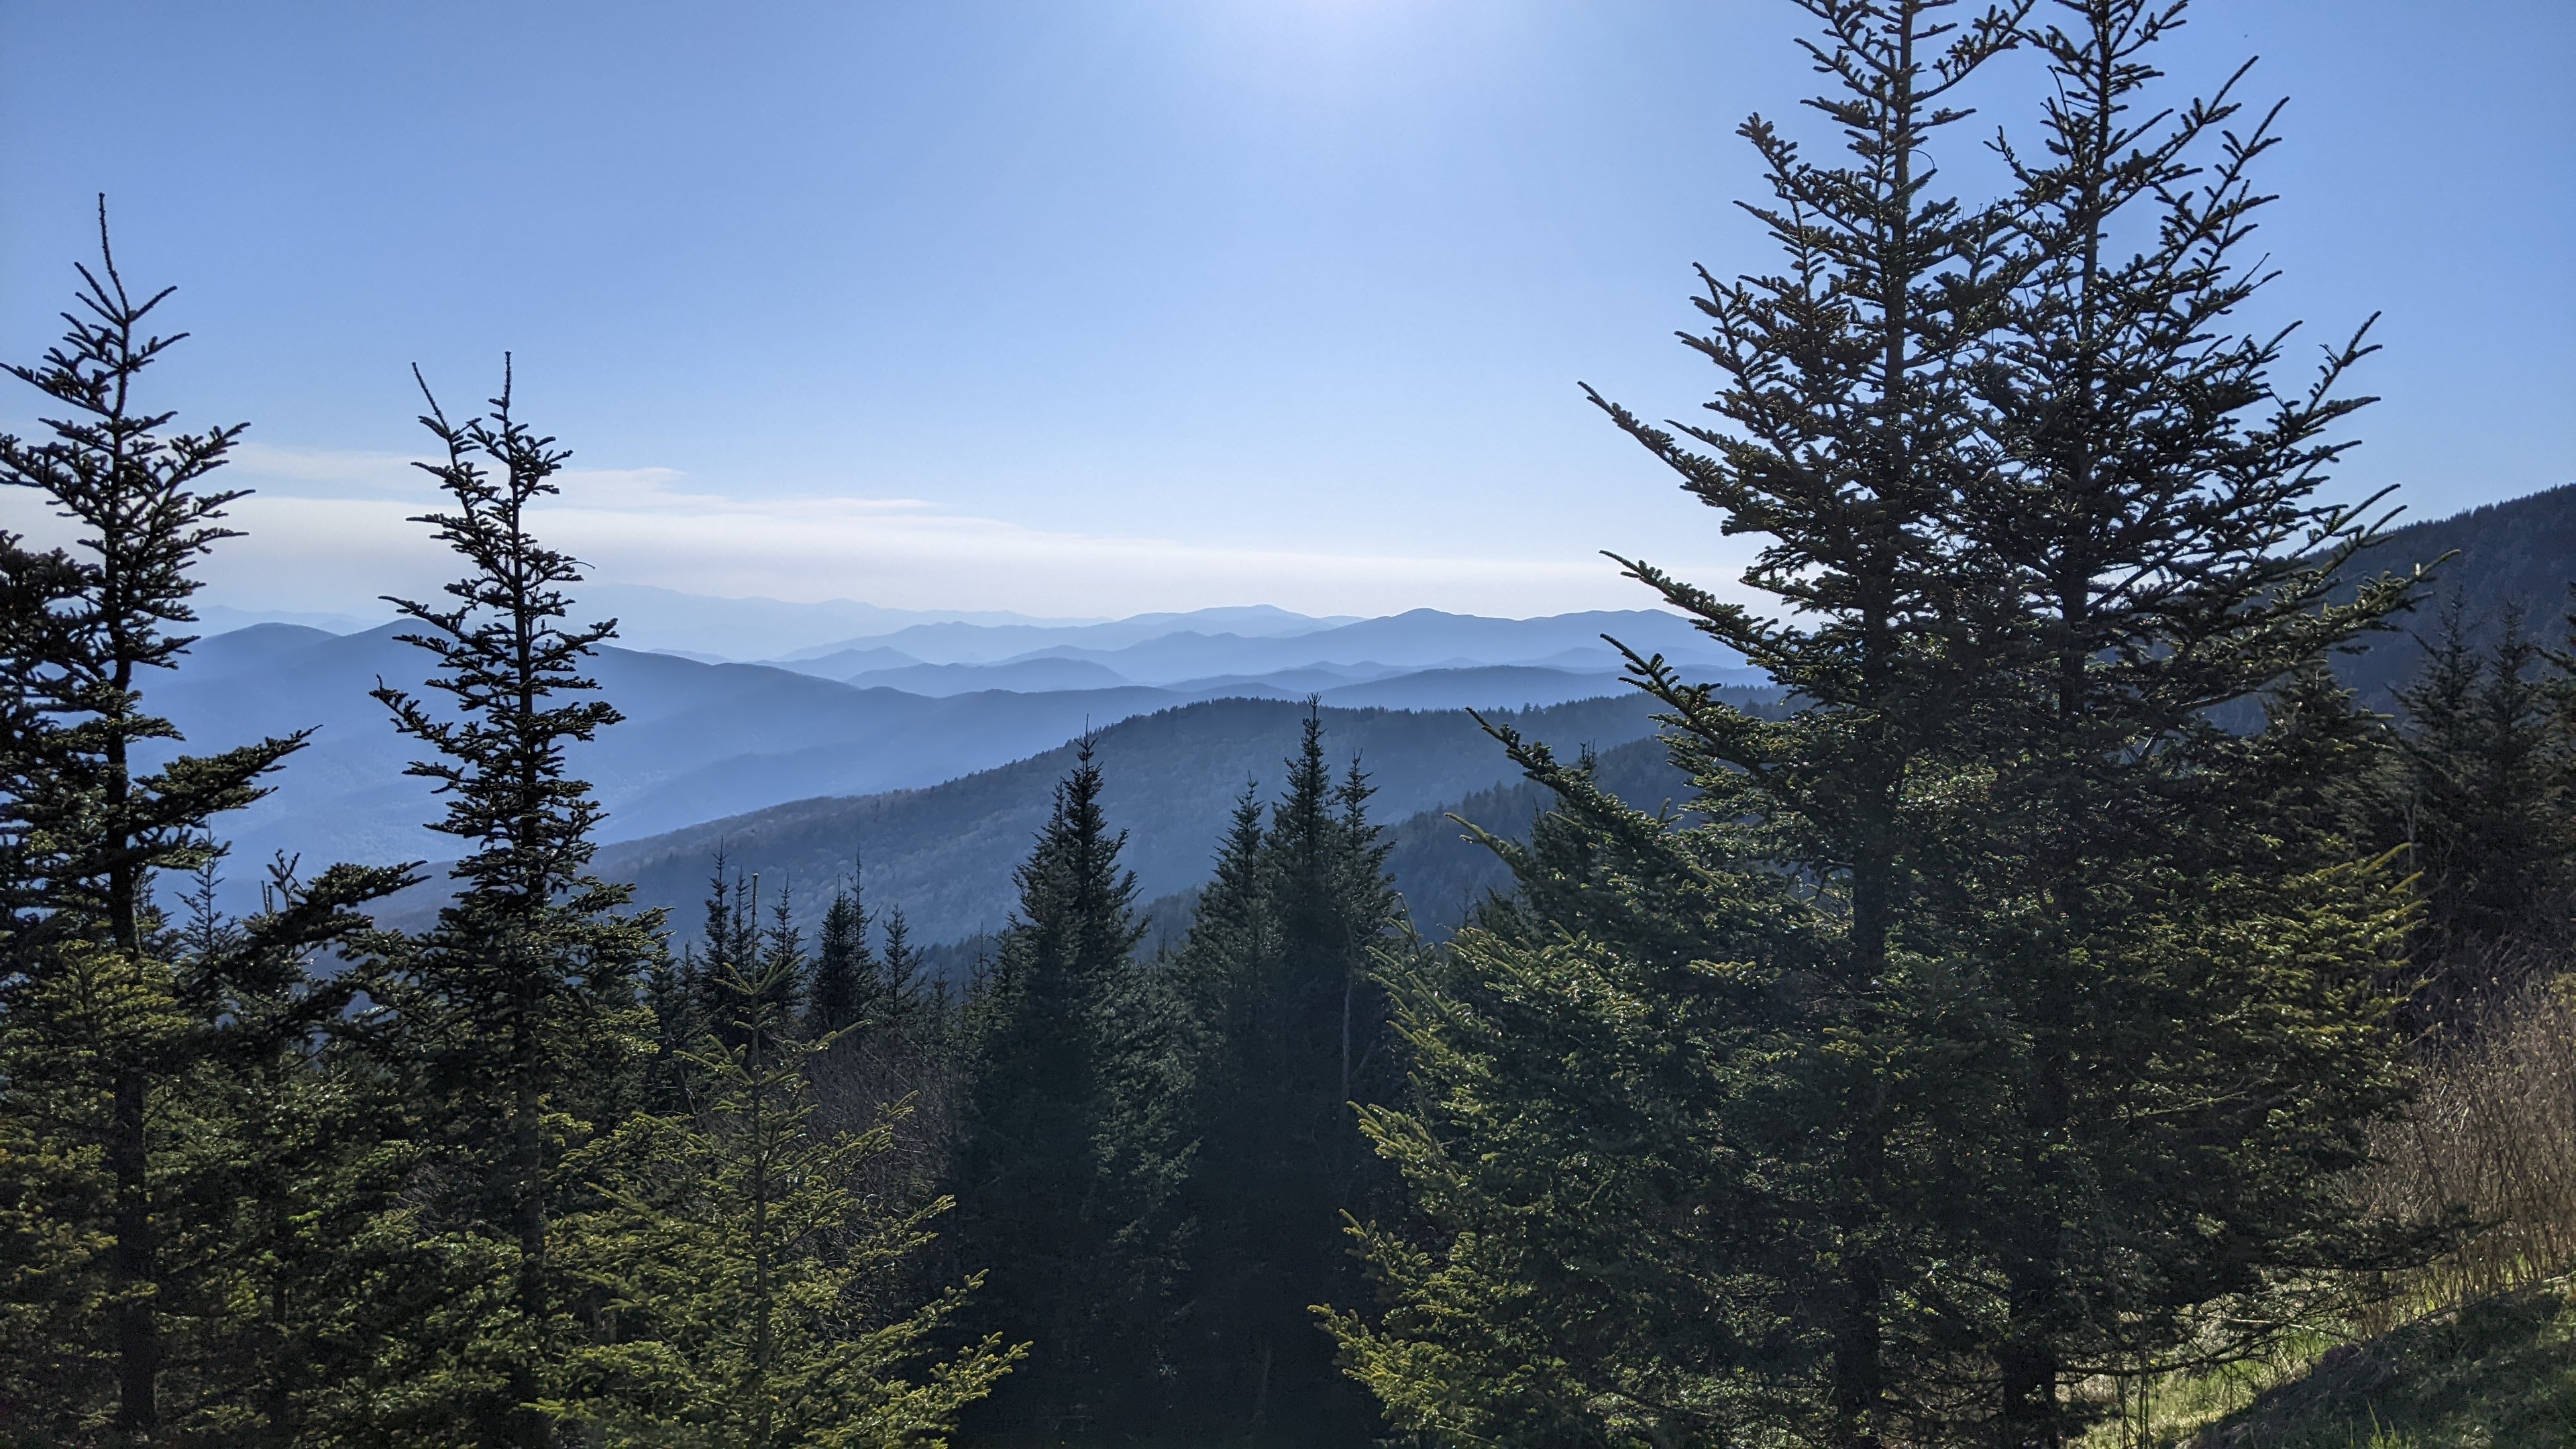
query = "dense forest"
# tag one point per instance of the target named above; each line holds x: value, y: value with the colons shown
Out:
x: 2058, y: 985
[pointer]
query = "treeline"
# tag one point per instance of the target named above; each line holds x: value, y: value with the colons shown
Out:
x: 2004, y: 1014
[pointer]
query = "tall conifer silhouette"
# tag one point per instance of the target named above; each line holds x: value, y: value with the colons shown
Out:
x: 1043, y: 1204
x: 105, y: 1015
x: 521, y: 1002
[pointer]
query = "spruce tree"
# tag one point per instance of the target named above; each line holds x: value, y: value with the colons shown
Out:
x: 729, y: 942
x: 902, y: 964
x: 105, y: 1031
x: 1600, y: 1244
x: 2160, y: 554
x: 781, y: 946
x: 740, y: 1266
x: 2483, y: 807
x: 849, y: 988
x: 2054, y: 1004
x: 1848, y: 426
x: 520, y: 1004
x: 1044, y: 1207
x: 918, y: 1004
x: 1288, y: 1032
x: 291, y: 1258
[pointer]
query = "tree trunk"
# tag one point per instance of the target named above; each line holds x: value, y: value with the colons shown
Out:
x: 133, y: 1258
x: 529, y: 1428
x: 138, y: 1336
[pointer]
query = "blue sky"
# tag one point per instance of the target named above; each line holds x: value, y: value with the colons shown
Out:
x: 1082, y: 307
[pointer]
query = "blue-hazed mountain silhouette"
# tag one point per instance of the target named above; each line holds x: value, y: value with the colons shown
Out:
x: 699, y: 740
x: 705, y: 740
x: 988, y: 642
x: 1027, y: 676
x: 946, y: 853
x: 709, y: 742
x: 667, y: 619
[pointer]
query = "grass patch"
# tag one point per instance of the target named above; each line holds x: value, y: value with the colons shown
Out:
x: 2499, y: 1373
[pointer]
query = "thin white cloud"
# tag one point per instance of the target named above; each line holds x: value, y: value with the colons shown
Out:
x: 330, y: 531
x: 327, y: 472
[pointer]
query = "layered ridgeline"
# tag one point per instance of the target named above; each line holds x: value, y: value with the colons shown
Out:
x: 708, y: 740
x: 929, y: 748
x: 945, y: 854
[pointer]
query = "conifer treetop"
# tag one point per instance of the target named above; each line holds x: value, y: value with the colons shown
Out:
x: 503, y: 657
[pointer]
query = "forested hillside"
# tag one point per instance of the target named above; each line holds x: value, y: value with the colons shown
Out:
x: 2511, y: 557
x: 1168, y: 779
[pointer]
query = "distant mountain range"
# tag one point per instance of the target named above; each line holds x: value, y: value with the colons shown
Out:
x: 986, y: 642
x: 931, y: 742
x: 1186, y: 651
x: 946, y: 853
x: 708, y: 627
x: 704, y: 740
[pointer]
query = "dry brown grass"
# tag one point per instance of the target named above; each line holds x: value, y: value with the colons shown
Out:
x: 2490, y: 1143
x: 2492, y: 1138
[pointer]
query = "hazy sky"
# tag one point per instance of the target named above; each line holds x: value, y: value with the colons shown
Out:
x: 1093, y: 306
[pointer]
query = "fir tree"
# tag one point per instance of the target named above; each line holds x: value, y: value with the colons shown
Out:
x: 1045, y: 1207
x: 2154, y: 527
x: 1289, y: 1032
x: 1600, y: 1245
x: 1997, y: 931
x: 729, y: 943
x: 739, y: 1264
x: 520, y: 1005
x: 292, y: 1256
x: 107, y: 1032
x: 782, y: 947
x: 917, y: 1003
x: 850, y: 988
x: 2484, y: 812
x: 1848, y: 428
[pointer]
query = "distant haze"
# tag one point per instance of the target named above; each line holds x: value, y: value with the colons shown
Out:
x: 923, y: 702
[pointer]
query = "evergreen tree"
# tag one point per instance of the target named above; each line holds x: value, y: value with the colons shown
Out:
x: 782, y: 947
x: 850, y: 988
x: 520, y: 1004
x: 1289, y: 1031
x: 1849, y: 426
x: 729, y: 944
x: 1063, y: 1232
x: 291, y: 1256
x: 919, y: 1005
x: 2025, y: 1013
x: 2484, y: 810
x: 739, y: 1265
x: 902, y: 963
x: 108, y: 1038
x: 1606, y: 1153
x: 2154, y: 528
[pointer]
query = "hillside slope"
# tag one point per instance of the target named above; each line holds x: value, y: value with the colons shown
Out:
x: 2520, y: 553
x: 2498, y: 1374
x: 946, y: 852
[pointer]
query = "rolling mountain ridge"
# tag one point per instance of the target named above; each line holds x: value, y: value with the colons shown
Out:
x: 702, y: 741
x: 946, y: 853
